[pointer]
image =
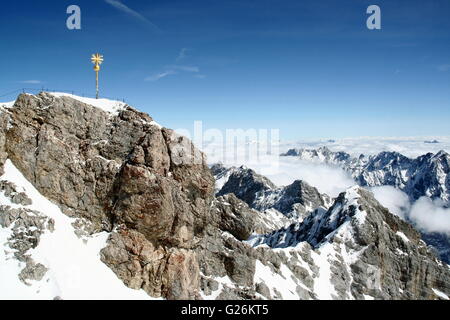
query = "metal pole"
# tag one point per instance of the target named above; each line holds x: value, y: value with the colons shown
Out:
x: 97, y: 60
x: 96, y: 77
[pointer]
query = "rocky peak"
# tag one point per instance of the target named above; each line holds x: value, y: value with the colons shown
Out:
x: 115, y: 167
x: 294, y: 201
x: 385, y: 255
x: 321, y: 154
x: 111, y: 168
x: 427, y: 175
x: 246, y: 184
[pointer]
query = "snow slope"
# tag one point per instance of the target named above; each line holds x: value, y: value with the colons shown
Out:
x: 75, y: 270
x: 107, y: 105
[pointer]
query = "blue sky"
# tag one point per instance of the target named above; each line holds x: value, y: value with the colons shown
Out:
x: 310, y: 68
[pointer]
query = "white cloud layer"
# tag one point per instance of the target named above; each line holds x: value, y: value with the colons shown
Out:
x: 408, y: 146
x: 283, y: 171
x: 428, y: 215
x: 327, y: 179
x: 431, y: 216
x: 393, y: 199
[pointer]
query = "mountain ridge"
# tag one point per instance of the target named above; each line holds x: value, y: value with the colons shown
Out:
x: 138, y: 202
x: 427, y: 175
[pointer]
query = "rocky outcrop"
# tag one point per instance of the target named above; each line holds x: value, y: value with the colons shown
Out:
x: 26, y: 227
x: 151, y: 192
x: 295, y: 201
x: 245, y: 183
x: 122, y: 172
x: 427, y: 175
x: 371, y: 252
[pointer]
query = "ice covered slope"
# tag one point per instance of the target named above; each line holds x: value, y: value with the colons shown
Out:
x: 41, y: 255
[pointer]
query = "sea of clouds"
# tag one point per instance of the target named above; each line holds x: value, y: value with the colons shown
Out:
x: 427, y: 215
x: 408, y: 146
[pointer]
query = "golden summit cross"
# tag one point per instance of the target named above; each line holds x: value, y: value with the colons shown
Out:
x: 97, y: 60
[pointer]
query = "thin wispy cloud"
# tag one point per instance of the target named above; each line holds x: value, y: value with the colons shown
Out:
x: 31, y: 82
x: 176, y: 69
x: 185, y: 68
x: 171, y: 70
x: 160, y: 75
x: 182, y: 55
x: 443, y: 67
x: 133, y: 13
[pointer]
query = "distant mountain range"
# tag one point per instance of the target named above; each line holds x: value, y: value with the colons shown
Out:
x: 427, y: 175
x: 96, y: 193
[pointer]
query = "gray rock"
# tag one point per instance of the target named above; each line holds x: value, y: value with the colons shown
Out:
x: 151, y: 189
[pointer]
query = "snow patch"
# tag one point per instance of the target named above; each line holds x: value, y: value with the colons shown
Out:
x: 107, y: 105
x: 75, y: 269
x: 403, y: 236
x: 7, y: 105
x: 323, y: 287
x: 440, y: 294
x: 283, y: 283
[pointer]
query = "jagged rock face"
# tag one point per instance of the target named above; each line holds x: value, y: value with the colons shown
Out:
x: 295, y: 201
x: 232, y: 215
x: 152, y: 192
x: 427, y: 175
x: 27, y: 227
x: 231, y: 269
x: 117, y: 170
x: 440, y: 242
x: 374, y: 253
x: 161, y: 271
x: 246, y: 184
x: 322, y: 154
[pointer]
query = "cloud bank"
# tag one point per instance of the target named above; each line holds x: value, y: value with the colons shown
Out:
x: 431, y: 216
x: 408, y: 146
x: 427, y: 215
x: 393, y: 199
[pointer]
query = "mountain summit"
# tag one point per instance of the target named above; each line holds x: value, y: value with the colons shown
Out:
x: 99, y: 201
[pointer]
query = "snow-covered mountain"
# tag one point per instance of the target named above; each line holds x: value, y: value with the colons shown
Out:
x: 427, y: 175
x: 355, y: 250
x: 295, y: 201
x: 44, y: 255
x: 364, y: 249
x: 99, y: 201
